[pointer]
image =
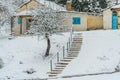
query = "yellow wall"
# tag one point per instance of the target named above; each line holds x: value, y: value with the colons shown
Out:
x: 94, y: 22
x: 118, y: 13
x: 107, y: 19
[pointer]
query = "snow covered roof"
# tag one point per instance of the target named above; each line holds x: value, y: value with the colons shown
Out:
x: 24, y: 13
x: 49, y: 4
x: 116, y: 6
x: 112, y: 7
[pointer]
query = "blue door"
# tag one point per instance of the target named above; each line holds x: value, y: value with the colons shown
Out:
x: 114, y: 20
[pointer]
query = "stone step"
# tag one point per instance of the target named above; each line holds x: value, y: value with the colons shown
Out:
x: 63, y: 62
x: 59, y: 68
x: 77, y: 42
x: 74, y: 48
x: 52, y: 75
x: 77, y: 35
x: 75, y: 45
x: 72, y: 56
x: 66, y: 60
x: 54, y: 72
x: 77, y: 38
x: 73, y: 53
x: 69, y: 58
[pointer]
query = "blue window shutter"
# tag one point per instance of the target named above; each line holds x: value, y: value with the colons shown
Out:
x: 19, y: 20
x: 76, y: 20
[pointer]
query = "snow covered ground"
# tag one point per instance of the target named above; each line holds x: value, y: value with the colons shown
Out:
x: 115, y: 76
x: 100, y: 52
x: 25, y: 53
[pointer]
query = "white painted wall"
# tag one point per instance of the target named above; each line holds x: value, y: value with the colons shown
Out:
x: 107, y: 19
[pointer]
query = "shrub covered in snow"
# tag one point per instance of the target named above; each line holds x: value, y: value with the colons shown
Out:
x: 4, y: 20
x: 1, y: 63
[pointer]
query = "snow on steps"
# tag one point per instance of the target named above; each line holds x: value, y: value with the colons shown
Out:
x: 72, y: 53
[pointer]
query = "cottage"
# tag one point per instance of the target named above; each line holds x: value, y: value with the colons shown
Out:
x: 79, y: 21
x: 111, y: 17
x: 23, y: 17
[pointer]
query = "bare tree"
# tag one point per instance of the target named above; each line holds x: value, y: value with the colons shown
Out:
x: 47, y: 22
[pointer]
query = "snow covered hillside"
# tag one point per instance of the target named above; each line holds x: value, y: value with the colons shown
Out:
x: 100, y: 53
x: 23, y: 57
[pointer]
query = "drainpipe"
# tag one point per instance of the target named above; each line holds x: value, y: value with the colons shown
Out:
x: 116, y: 2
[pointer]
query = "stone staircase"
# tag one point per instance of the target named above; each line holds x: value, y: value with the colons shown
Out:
x: 72, y: 53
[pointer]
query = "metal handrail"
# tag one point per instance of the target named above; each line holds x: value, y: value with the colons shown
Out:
x: 57, y: 54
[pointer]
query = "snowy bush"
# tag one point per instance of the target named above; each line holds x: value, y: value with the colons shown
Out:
x: 4, y: 20
x: 117, y: 68
x: 30, y: 71
x: 1, y: 63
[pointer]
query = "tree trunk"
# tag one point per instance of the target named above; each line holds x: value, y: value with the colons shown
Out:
x: 48, y: 47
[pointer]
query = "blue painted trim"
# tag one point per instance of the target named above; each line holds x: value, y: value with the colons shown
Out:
x: 76, y: 20
x: 19, y: 20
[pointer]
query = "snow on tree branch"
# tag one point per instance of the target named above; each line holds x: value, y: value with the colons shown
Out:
x: 46, y: 20
x: 4, y: 18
